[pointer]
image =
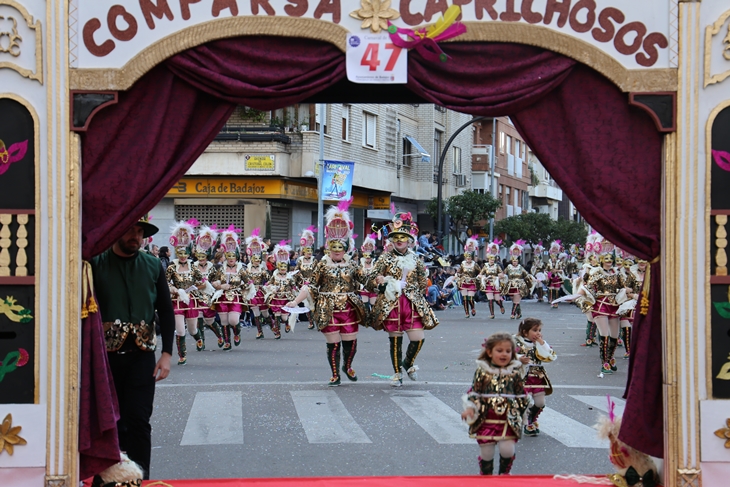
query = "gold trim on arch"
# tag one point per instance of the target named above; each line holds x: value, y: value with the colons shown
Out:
x: 37, y: 250
x: 708, y: 258
x: 123, y: 78
x: 645, y: 80
x: 648, y: 80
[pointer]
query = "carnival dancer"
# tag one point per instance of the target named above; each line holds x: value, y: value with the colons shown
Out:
x: 401, y: 306
x: 185, y: 282
x: 496, y: 402
x: 490, y: 275
x: 590, y: 261
x: 259, y: 275
x: 338, y: 310
x: 466, y: 275
x: 531, y: 344
x: 538, y: 269
x: 519, y: 282
x: 634, y: 274
x: 235, y: 288
x: 555, y: 272
x: 204, y: 246
x: 599, y: 293
x: 367, y: 248
x: 283, y: 287
x: 305, y: 264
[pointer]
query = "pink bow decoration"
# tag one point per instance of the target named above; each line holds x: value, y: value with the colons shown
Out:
x: 425, y: 40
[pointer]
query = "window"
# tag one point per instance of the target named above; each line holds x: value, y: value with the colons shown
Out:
x: 517, y: 197
x: 437, y: 136
x: 320, y: 118
x: 407, y: 151
x: 345, y: 122
x: 518, y: 148
x: 509, y: 145
x: 501, y: 142
x: 501, y: 191
x: 370, y: 130
x: 457, y: 160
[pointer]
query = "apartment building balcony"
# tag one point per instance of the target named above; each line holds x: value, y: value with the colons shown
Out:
x: 546, y: 191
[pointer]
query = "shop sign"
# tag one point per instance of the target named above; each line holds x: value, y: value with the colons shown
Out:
x: 378, y: 202
x: 634, y: 33
x: 225, y: 188
x: 337, y: 182
x: 257, y: 162
x: 297, y: 191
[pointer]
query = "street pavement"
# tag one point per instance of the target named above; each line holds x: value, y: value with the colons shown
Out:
x: 264, y: 409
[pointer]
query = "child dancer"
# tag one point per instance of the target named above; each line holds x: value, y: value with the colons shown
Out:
x: 531, y: 345
x: 496, y: 402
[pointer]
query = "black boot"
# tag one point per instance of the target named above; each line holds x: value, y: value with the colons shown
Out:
x: 259, y: 329
x: 491, y: 308
x: 333, y: 357
x: 285, y: 322
x: 486, y: 467
x: 226, y: 337
x: 218, y: 333
x: 590, y: 341
x: 396, y: 344
x: 349, y: 349
x: 612, y: 342
x: 514, y: 307
x: 465, y: 302
x: 604, y: 345
x: 311, y: 322
x: 411, y: 353
x: 532, y: 428
x: 274, y: 326
x: 627, y: 341
x: 501, y: 306
x: 473, y: 306
x: 518, y: 312
x: 199, y: 340
x: 237, y: 334
x: 201, y: 330
x: 182, y: 351
x: 505, y: 465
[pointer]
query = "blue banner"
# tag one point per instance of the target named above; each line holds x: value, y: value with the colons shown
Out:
x: 337, y: 182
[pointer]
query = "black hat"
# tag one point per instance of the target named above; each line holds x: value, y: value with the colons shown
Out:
x: 148, y: 228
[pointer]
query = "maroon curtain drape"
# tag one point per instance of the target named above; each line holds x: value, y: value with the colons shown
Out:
x: 578, y: 123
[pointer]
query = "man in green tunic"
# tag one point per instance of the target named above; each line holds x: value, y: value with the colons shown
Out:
x: 130, y: 286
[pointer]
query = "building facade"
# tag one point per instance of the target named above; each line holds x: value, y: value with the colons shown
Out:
x: 261, y: 171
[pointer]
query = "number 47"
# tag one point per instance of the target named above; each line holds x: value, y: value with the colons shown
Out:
x: 370, y: 58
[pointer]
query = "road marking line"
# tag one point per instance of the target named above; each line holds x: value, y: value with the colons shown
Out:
x: 568, y: 431
x: 369, y: 382
x: 216, y: 418
x: 434, y: 416
x: 325, y: 419
x: 601, y: 403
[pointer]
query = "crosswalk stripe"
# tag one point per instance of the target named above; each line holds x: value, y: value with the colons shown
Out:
x: 435, y: 417
x: 601, y: 403
x: 325, y: 419
x: 216, y: 418
x: 568, y: 431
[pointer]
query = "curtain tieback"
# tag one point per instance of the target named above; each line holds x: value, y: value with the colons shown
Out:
x: 646, y: 288
x: 88, y: 303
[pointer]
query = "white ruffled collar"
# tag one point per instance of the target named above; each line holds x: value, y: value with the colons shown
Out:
x: 508, y: 370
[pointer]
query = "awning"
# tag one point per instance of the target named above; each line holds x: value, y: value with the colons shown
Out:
x: 419, y: 150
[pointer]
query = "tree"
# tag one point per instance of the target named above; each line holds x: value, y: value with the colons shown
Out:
x: 513, y: 228
x: 569, y: 232
x: 466, y: 210
x: 530, y: 227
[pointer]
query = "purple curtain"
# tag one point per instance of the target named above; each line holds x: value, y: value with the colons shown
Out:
x: 579, y: 124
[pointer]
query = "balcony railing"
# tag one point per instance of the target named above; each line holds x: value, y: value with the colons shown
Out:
x: 17, y: 241
x: 253, y: 134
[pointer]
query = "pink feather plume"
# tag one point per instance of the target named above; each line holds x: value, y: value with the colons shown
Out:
x: 256, y: 232
x: 611, y: 407
x: 392, y: 207
x: 312, y: 229
x: 193, y: 222
x: 345, y: 204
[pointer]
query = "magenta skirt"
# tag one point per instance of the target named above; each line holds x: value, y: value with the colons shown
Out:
x: 187, y: 310
x: 343, y: 322
x: 258, y: 301
x: 534, y: 385
x: 491, y: 289
x: 468, y: 286
x: 229, y: 307
x: 276, y: 304
x: 604, y: 308
x: 368, y: 294
x: 494, y: 429
x: 403, y: 317
x: 555, y: 282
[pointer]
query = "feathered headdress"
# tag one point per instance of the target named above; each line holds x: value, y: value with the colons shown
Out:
x: 306, y: 240
x: 516, y: 248
x: 338, y: 226
x: 207, y: 238
x: 282, y: 250
x: 591, y: 242
x: 472, y: 245
x: 493, y: 248
x: 555, y: 248
x: 539, y: 248
x: 368, y: 245
x: 183, y: 236
x: 255, y: 244
x: 230, y: 241
x: 402, y: 223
